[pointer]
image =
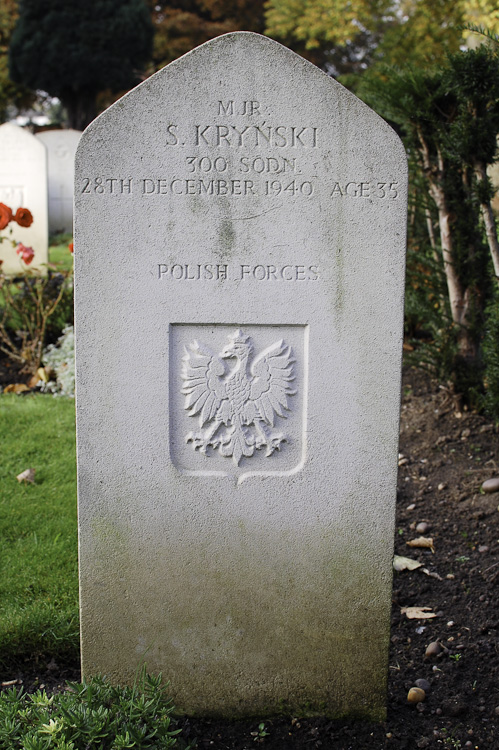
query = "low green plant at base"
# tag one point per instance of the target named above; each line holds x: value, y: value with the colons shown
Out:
x: 59, y: 359
x: 93, y: 714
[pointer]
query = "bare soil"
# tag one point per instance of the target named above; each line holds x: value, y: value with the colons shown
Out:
x: 445, y: 455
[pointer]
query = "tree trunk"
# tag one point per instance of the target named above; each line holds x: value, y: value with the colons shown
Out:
x: 459, y: 297
x: 488, y: 219
x: 81, y: 108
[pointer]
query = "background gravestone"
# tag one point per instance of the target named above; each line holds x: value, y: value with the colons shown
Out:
x: 23, y: 183
x: 61, y: 147
x: 240, y: 236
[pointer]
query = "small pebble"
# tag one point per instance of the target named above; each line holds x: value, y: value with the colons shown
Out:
x: 483, y: 548
x: 450, y: 576
x: 412, y: 506
x: 468, y: 744
x: 441, y: 486
x: 450, y: 623
x: 491, y: 485
x: 433, y: 649
x: 423, y: 684
x: 438, y: 711
x: 416, y: 695
x: 496, y: 710
x: 422, y: 527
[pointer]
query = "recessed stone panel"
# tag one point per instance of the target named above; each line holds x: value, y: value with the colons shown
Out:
x: 238, y: 399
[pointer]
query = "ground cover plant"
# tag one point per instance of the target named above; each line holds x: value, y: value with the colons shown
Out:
x: 38, y: 553
x: 93, y: 714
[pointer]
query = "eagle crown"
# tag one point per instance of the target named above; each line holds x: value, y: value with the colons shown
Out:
x: 240, y: 348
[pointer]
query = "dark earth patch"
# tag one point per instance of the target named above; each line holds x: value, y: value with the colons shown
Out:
x: 445, y: 457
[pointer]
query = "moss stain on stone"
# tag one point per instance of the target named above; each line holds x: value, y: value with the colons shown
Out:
x: 227, y: 238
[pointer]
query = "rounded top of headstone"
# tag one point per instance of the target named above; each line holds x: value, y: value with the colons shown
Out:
x: 236, y: 65
x: 11, y: 131
x: 55, y: 136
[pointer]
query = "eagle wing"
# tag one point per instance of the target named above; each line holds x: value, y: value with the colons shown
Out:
x: 204, y: 389
x: 273, y: 374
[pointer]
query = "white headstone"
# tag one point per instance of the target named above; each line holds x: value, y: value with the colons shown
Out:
x: 23, y: 184
x: 61, y: 146
x: 240, y: 238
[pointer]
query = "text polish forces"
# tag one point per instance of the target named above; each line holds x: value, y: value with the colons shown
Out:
x: 217, y: 272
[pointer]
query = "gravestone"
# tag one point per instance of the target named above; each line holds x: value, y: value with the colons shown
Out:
x: 23, y: 184
x: 61, y: 147
x: 240, y: 235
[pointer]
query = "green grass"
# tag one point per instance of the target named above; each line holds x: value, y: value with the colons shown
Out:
x: 38, y: 530
x: 59, y: 252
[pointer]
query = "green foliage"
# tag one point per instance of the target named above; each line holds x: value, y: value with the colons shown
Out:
x: 59, y: 251
x: 38, y: 528
x: 74, y: 50
x: 93, y: 714
x: 350, y: 38
x: 10, y: 93
x: 472, y: 79
x: 181, y: 25
x: 449, y: 119
x: 60, y: 359
x: 33, y: 310
x: 491, y: 358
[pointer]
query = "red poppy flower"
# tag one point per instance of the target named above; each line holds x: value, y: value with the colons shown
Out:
x: 5, y: 215
x: 24, y: 217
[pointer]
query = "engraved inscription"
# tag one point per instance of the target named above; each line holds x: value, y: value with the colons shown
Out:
x: 253, y: 136
x: 193, y: 271
x: 243, y: 108
x: 107, y: 185
x: 220, y: 160
x: 365, y: 190
x: 238, y: 407
x: 220, y: 272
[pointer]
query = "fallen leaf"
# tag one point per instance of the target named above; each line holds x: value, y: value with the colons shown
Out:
x: 417, y: 613
x: 16, y: 388
x: 432, y: 575
x: 422, y: 541
x: 27, y: 476
x: 405, y: 563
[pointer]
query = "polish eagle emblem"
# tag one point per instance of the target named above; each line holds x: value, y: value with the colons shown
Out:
x: 237, y: 406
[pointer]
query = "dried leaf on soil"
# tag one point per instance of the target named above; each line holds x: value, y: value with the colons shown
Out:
x: 16, y: 388
x: 405, y: 563
x: 417, y: 613
x: 432, y: 574
x: 425, y: 542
